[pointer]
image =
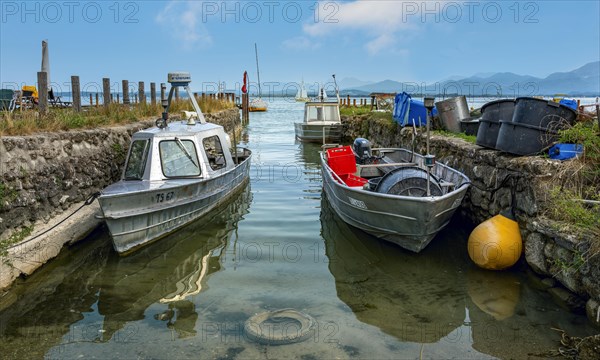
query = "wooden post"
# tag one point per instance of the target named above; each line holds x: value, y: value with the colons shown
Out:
x: 118, y: 100
x: 142, y: 95
x: 354, y: 102
x: 76, y: 93
x: 135, y: 97
x: 42, y: 79
x: 245, y: 109
x: 91, y: 100
x: 163, y: 92
x: 152, y: 93
x: 125, y: 92
x: 177, y: 93
x: 106, y: 95
x: 96, y: 99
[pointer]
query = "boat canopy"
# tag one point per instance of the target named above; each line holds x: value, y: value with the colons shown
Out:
x: 322, y: 112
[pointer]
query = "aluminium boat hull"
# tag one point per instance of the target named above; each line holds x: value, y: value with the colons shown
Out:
x: 318, y: 132
x: 410, y: 222
x: 138, y: 213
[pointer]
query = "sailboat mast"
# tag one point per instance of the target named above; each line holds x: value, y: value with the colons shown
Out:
x: 257, y: 71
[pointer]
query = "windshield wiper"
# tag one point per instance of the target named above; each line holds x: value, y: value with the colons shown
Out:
x: 180, y: 144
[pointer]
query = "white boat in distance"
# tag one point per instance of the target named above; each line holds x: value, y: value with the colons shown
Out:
x: 322, y: 120
x: 257, y: 104
x: 302, y: 95
x: 175, y: 172
x: 389, y: 194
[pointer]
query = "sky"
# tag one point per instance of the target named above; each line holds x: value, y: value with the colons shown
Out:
x: 408, y: 41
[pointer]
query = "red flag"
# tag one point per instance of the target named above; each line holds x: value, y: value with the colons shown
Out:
x: 244, y: 87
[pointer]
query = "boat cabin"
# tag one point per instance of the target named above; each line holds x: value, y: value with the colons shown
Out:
x: 322, y: 112
x: 178, y: 151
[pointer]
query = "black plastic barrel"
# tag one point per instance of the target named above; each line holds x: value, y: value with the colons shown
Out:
x: 545, y: 114
x: 489, y: 124
x: 469, y: 126
x: 524, y: 139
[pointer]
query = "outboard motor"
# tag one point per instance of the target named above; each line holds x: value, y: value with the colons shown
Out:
x: 362, y: 149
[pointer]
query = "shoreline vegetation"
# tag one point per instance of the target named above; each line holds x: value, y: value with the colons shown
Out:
x: 29, y: 122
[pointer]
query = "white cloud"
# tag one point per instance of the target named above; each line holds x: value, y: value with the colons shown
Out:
x: 380, y: 20
x: 301, y: 43
x: 183, y: 19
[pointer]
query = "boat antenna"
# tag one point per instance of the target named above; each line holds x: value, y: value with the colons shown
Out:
x: 337, y: 90
x: 257, y: 71
x: 429, y: 159
x: 183, y: 79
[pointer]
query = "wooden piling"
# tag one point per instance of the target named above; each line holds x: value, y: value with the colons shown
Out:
x: 96, y: 99
x: 135, y: 98
x: 106, y: 96
x: 118, y: 99
x: 76, y: 92
x: 125, y: 92
x: 153, y: 93
x: 142, y: 94
x: 354, y: 102
x: 163, y: 93
x: 42, y: 78
x: 245, y: 109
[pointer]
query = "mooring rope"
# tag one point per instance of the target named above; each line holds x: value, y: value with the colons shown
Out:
x: 89, y: 201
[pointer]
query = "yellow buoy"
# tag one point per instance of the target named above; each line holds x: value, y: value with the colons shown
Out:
x: 496, y: 243
x: 495, y: 293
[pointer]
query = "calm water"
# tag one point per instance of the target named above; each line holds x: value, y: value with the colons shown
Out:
x: 278, y: 245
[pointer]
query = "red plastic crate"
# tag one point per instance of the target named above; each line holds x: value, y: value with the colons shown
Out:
x: 352, y: 180
x: 341, y: 160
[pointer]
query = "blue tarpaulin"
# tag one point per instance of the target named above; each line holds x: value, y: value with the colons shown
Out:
x: 408, y: 111
x: 569, y: 102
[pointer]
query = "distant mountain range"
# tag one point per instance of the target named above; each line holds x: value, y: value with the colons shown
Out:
x: 584, y: 81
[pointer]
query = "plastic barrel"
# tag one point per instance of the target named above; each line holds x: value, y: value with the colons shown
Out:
x: 489, y: 124
x: 545, y: 114
x: 524, y: 139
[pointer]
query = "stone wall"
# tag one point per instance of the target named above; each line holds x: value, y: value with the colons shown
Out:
x: 561, y: 259
x: 44, y: 177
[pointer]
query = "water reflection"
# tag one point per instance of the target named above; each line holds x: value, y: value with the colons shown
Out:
x: 438, y: 296
x: 410, y: 296
x: 90, y: 294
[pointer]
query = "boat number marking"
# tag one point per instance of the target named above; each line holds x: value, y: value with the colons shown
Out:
x: 357, y: 203
x: 160, y: 197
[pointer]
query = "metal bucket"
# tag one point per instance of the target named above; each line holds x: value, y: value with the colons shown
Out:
x: 452, y: 111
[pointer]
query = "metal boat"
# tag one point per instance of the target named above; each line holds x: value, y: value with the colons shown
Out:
x: 175, y: 172
x: 389, y: 192
x: 322, y: 121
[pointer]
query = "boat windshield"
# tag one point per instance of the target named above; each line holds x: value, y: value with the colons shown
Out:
x: 214, y: 152
x: 322, y: 113
x: 179, y: 158
x: 136, y: 163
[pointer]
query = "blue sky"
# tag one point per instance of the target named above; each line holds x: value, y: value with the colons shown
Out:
x: 413, y: 41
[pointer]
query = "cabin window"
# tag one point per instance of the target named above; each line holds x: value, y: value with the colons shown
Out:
x: 322, y: 113
x: 136, y: 163
x: 179, y: 158
x: 214, y: 152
